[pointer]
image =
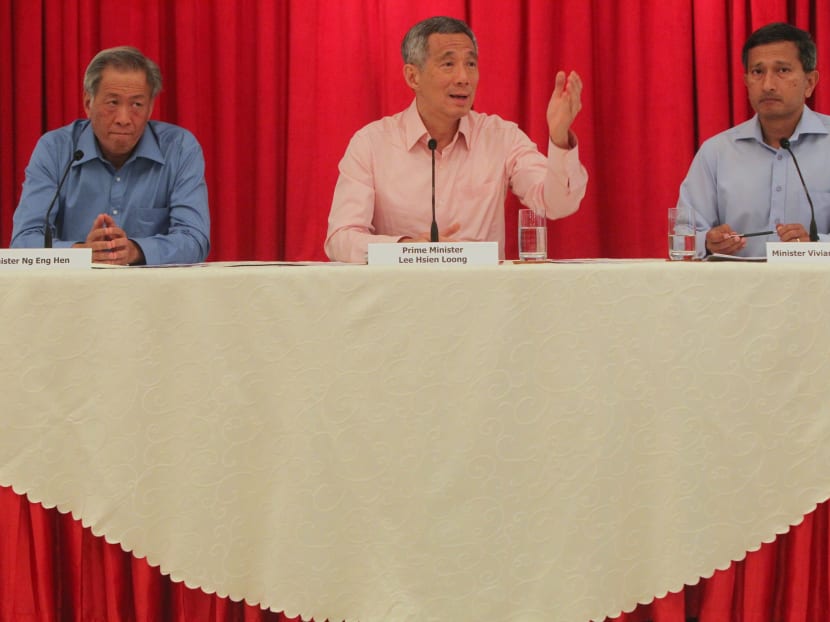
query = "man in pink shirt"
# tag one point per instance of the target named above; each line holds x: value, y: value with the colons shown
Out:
x: 383, y: 193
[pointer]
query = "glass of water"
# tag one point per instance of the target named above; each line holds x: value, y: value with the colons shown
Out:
x: 681, y: 233
x: 533, y: 236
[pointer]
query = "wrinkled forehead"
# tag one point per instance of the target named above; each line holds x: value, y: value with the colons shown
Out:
x: 459, y: 44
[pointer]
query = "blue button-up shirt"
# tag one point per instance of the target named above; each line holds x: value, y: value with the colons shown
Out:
x: 739, y: 180
x: 159, y: 196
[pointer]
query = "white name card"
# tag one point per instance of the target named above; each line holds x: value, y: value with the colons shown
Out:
x: 45, y: 258
x: 434, y: 254
x: 798, y: 252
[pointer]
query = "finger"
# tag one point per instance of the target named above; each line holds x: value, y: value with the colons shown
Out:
x: 104, y: 257
x: 791, y: 231
x: 102, y: 247
x: 116, y: 254
x: 575, y: 83
x: 116, y: 233
x: 120, y: 247
x: 793, y: 235
x: 728, y: 245
x: 97, y: 235
x: 103, y: 220
x: 559, y: 84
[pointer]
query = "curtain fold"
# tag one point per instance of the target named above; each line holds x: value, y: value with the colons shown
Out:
x: 275, y: 89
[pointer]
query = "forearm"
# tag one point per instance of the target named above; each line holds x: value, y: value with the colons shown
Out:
x: 351, y: 245
x: 179, y: 247
x: 565, y: 182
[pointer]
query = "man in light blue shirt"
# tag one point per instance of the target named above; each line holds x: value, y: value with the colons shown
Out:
x: 743, y: 181
x: 137, y: 194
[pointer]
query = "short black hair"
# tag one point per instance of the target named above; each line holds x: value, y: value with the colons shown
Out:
x: 779, y: 31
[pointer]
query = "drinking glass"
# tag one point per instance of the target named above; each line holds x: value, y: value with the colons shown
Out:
x: 681, y: 233
x: 533, y: 236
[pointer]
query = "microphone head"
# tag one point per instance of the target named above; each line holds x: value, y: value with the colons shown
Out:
x: 432, y: 144
x: 77, y: 155
x: 785, y: 143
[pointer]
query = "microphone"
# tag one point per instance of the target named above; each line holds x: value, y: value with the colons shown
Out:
x: 433, y: 231
x: 785, y: 143
x: 47, y: 230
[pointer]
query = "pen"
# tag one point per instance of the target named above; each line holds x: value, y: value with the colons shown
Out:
x: 752, y: 235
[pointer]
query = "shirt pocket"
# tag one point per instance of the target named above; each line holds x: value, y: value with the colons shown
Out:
x: 155, y: 219
x: 482, y: 193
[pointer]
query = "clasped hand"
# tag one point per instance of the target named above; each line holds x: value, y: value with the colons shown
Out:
x: 109, y: 243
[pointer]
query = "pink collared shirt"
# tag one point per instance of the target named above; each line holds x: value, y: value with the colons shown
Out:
x: 384, y: 192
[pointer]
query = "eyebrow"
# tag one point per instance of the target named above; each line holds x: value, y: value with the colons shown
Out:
x: 451, y: 53
x: 774, y: 62
x: 121, y: 96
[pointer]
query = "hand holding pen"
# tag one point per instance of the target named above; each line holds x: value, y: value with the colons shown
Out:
x: 724, y: 240
x: 786, y: 233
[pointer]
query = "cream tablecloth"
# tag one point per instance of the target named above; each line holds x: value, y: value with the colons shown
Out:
x: 554, y: 442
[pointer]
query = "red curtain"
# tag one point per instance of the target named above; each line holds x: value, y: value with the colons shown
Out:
x: 274, y: 89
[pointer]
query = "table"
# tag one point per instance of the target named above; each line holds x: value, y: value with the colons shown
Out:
x: 521, y: 442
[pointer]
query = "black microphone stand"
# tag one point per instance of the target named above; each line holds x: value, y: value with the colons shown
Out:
x: 785, y: 143
x: 433, y: 231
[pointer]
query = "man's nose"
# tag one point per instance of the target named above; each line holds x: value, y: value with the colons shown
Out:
x: 122, y: 115
x: 462, y: 74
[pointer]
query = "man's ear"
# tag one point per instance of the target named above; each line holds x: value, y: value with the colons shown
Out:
x: 412, y: 76
x: 812, y: 80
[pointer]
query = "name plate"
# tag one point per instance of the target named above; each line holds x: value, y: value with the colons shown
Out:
x: 798, y: 252
x: 45, y: 258
x: 434, y: 254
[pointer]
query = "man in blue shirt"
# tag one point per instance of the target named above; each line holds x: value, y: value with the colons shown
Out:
x: 742, y: 180
x: 137, y: 194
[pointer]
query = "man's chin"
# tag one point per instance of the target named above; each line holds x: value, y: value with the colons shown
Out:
x: 461, y: 110
x: 122, y: 148
x: 776, y: 113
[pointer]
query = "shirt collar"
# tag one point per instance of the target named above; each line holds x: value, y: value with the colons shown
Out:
x: 809, y: 123
x: 87, y: 144
x: 415, y: 130
x: 147, y: 147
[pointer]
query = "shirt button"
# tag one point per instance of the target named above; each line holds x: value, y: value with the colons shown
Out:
x: 119, y: 179
x: 778, y: 188
x: 115, y: 211
x: 780, y: 157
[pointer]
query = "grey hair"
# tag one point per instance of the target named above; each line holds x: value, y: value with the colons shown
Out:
x: 122, y: 58
x: 414, y: 47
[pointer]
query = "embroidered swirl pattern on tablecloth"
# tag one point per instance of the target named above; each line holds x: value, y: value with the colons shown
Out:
x: 554, y: 442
